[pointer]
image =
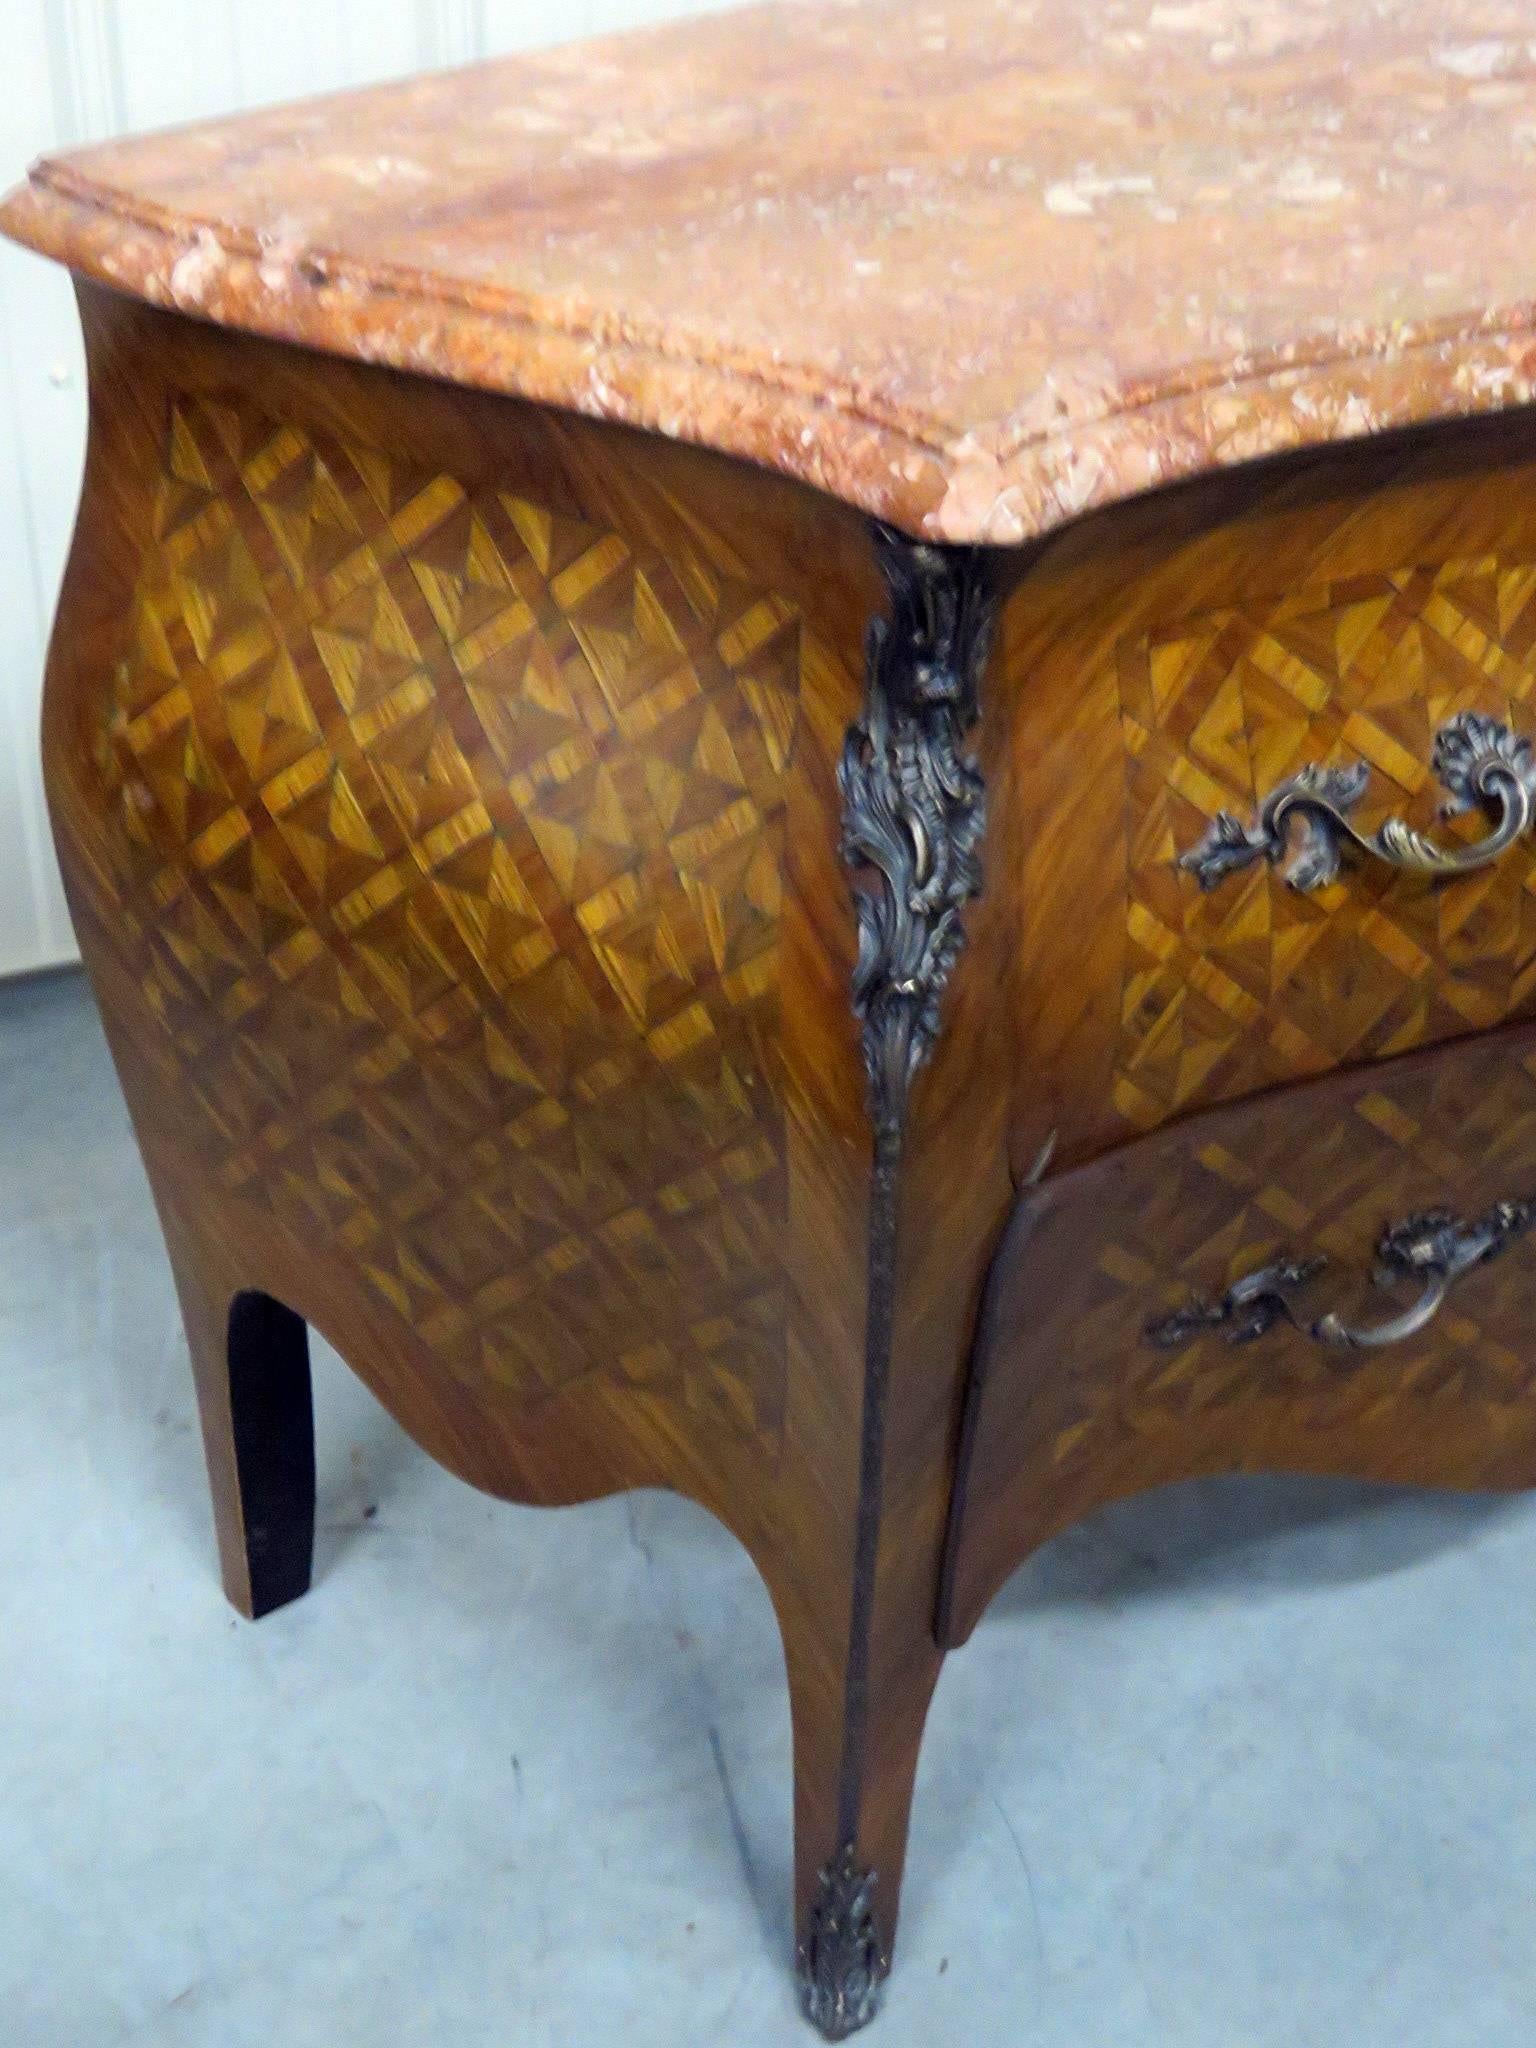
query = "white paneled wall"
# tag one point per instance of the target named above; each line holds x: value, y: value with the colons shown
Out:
x: 77, y: 70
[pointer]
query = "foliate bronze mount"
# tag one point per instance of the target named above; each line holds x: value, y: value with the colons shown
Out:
x: 1479, y: 762
x: 1432, y: 1247
x: 841, y: 1964
x: 913, y: 817
x: 913, y: 804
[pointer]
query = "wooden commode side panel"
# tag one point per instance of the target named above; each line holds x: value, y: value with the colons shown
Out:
x: 402, y: 771
x: 433, y: 815
x: 448, y: 798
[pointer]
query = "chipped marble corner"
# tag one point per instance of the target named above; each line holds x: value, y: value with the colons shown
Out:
x: 1000, y: 491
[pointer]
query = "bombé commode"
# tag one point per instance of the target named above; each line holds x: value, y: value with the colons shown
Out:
x: 823, y: 793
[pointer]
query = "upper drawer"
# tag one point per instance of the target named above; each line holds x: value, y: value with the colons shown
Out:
x: 1335, y: 618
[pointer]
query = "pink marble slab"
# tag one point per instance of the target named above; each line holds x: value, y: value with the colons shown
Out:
x: 974, y: 266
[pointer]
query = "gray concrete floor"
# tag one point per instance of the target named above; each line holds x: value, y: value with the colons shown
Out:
x: 1237, y: 1766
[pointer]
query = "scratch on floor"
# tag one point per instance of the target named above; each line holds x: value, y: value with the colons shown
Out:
x: 632, y: 1523
x: 733, y: 1811
x: 1029, y: 1875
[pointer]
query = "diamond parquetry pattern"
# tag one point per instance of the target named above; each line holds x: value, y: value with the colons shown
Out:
x: 1198, y: 1208
x: 1253, y: 984
x: 444, y: 821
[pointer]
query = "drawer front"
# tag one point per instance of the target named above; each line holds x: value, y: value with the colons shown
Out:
x: 1353, y: 622
x: 1185, y: 1304
x: 1245, y: 974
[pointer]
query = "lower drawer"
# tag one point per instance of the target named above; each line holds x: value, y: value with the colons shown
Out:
x: 1339, y: 1277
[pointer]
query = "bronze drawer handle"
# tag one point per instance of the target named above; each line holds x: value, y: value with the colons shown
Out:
x: 1478, y: 761
x: 1433, y: 1246
x: 1249, y: 1307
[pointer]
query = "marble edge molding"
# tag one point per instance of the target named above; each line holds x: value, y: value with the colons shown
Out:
x: 997, y: 483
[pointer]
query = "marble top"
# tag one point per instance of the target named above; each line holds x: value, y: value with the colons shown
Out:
x: 974, y: 266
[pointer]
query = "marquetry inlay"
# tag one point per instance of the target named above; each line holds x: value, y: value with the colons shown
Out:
x: 1230, y: 990
x: 442, y: 822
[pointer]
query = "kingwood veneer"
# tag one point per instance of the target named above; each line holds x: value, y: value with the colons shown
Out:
x: 680, y: 853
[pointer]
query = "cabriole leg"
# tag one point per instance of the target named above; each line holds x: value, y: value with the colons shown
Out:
x: 250, y: 1363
